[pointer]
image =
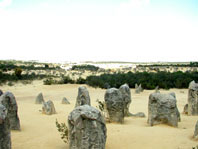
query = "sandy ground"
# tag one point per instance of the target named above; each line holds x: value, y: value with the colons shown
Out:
x: 39, y: 131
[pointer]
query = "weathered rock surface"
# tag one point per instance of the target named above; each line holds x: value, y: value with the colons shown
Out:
x: 87, y: 128
x: 178, y: 113
x: 9, y: 101
x: 162, y: 108
x: 138, y: 89
x: 196, y: 130
x: 185, y: 109
x: 1, y: 92
x: 5, y: 136
x: 48, y: 108
x: 83, y: 97
x: 193, y: 98
x: 126, y: 95
x: 65, y: 101
x: 39, y: 99
x: 115, y: 105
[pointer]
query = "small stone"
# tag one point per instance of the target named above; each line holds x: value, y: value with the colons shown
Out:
x: 65, y: 101
x: 139, y: 114
x: 157, y: 89
x: 138, y: 89
x: 48, y: 108
x: 185, y: 109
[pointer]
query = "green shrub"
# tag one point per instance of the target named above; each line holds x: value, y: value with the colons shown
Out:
x: 85, y: 67
x: 63, y: 129
x: 10, y: 83
x: 67, y: 79
x: 80, y: 81
x: 48, y: 81
x: 165, y: 80
x: 18, y: 72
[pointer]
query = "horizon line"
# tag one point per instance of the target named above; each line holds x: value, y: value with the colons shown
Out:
x: 106, y: 61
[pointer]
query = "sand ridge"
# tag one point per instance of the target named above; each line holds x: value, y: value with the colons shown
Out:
x: 39, y: 131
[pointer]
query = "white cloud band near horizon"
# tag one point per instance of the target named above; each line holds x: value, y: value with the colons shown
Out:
x: 120, y: 37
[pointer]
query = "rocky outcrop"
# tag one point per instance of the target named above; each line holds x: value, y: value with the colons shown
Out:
x: 39, y: 99
x: 162, y: 108
x: 48, y: 108
x: 115, y: 105
x: 126, y: 96
x: 83, y: 97
x: 9, y: 101
x: 193, y: 98
x: 87, y: 128
x: 5, y: 136
x: 65, y: 101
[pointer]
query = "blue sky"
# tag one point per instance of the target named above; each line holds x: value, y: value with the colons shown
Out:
x: 97, y: 30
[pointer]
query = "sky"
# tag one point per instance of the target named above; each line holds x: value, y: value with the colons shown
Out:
x: 99, y: 30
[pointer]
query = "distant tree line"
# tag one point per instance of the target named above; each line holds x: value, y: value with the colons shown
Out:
x: 63, y: 80
x: 191, y: 64
x: 85, y: 67
x: 9, y: 66
x: 148, y: 80
x: 17, y: 76
x: 165, y: 80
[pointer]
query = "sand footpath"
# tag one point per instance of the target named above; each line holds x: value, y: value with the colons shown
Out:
x: 39, y: 131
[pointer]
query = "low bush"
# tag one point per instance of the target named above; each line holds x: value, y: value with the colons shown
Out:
x: 85, y: 67
x: 164, y: 80
x: 63, y: 129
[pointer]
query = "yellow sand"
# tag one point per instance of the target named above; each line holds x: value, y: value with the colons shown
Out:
x: 39, y: 131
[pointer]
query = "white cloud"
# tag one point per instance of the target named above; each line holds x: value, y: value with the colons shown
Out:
x: 5, y: 3
x: 126, y: 38
x: 136, y: 3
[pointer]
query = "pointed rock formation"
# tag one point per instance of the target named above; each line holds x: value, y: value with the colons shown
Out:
x: 48, y: 108
x: 39, y: 99
x: 83, y: 97
x: 126, y: 95
x: 193, y: 98
x: 9, y: 101
x: 115, y: 105
x: 5, y: 136
x: 65, y: 101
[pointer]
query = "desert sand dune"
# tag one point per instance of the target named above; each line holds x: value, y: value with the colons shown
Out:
x: 38, y: 131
